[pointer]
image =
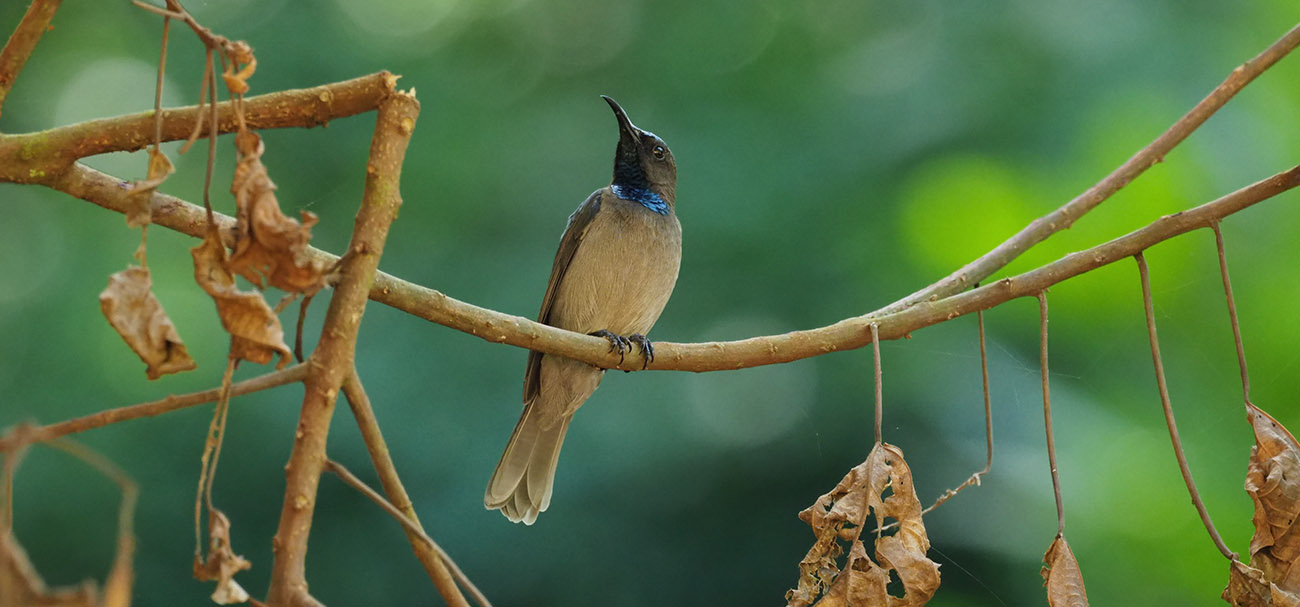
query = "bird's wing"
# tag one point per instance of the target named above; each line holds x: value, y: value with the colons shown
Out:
x: 577, y: 228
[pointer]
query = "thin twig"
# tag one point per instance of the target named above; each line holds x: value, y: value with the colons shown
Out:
x: 1163, y: 388
x: 302, y: 318
x: 988, y: 425
x: 446, y: 585
x: 1066, y: 215
x: 23, y: 41
x: 331, y: 362
x: 158, y: 86
x: 1232, y: 313
x: 434, y: 564
x: 157, y: 407
x: 211, y: 453
x: 203, y: 98
x: 880, y: 390
x: 1047, y: 413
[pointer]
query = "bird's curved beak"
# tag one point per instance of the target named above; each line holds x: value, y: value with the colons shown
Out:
x: 628, y: 134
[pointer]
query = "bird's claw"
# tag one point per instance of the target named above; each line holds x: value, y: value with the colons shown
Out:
x: 647, y: 349
x: 617, y: 343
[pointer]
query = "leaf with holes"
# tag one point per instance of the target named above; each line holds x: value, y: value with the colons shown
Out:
x: 879, y: 488
x: 268, y: 243
x: 131, y: 308
x: 1062, y: 577
x: 255, y: 332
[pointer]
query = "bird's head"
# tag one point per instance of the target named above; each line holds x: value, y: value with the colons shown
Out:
x: 643, y: 164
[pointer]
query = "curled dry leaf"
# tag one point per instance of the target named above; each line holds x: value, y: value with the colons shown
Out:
x: 221, y: 563
x: 138, y: 212
x: 134, y: 312
x: 255, y: 332
x: 1062, y: 577
x: 241, y: 68
x: 880, y: 487
x: 1273, y: 482
x: 268, y: 242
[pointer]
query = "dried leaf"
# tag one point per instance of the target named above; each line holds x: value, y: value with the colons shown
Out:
x: 1273, y: 482
x: 1249, y: 587
x: 138, y: 211
x: 222, y: 563
x: 240, y: 54
x: 134, y: 312
x: 1062, y: 577
x: 842, y: 513
x: 255, y: 332
x: 268, y: 242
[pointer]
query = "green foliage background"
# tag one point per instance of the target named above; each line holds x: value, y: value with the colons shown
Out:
x: 834, y: 156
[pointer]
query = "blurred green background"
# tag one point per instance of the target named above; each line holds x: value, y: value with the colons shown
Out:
x: 834, y: 156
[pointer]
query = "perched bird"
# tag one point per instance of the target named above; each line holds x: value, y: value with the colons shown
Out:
x: 615, y: 269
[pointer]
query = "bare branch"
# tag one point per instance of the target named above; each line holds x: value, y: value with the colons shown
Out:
x: 331, y: 363
x: 41, y: 157
x: 446, y: 585
x: 23, y: 41
x: 1064, y: 217
x: 435, y: 561
x: 848, y: 334
x: 157, y: 407
x: 1047, y: 412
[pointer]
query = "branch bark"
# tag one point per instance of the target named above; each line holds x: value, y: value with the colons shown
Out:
x: 436, y: 563
x: 332, y: 361
x: 847, y: 334
x: 23, y: 41
x: 157, y: 407
x: 44, y: 156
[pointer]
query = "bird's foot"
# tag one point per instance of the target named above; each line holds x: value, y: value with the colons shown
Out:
x: 647, y: 349
x: 617, y: 343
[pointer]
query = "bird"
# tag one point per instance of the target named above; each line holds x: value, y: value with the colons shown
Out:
x: 614, y: 271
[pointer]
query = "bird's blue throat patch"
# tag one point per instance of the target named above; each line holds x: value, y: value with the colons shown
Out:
x: 647, y: 197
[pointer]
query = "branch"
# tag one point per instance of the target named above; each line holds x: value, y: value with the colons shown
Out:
x: 332, y: 361
x: 41, y: 157
x: 435, y: 560
x: 848, y: 334
x: 446, y: 585
x: 157, y: 407
x: 23, y: 41
x: 1064, y: 217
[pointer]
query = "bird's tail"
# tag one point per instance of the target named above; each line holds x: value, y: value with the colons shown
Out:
x: 521, y: 485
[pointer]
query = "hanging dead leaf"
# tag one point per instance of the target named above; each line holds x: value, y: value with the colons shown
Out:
x: 880, y: 487
x: 241, y: 67
x: 268, y: 243
x: 1273, y: 482
x: 221, y: 563
x: 1062, y: 577
x: 138, y: 210
x: 134, y: 312
x: 1249, y: 587
x: 255, y: 332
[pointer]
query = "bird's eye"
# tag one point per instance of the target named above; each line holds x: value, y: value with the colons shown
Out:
x: 658, y: 152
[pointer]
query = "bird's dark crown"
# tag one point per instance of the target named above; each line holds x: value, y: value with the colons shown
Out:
x: 644, y: 168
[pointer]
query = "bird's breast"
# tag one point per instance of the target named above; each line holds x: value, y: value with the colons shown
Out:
x: 623, y: 271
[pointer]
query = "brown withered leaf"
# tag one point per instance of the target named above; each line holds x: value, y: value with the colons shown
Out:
x: 241, y: 57
x: 1062, y: 577
x: 255, y: 332
x: 131, y: 308
x: 221, y: 563
x: 268, y: 243
x: 1249, y: 587
x: 841, y: 515
x: 1273, y: 482
x: 138, y: 211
